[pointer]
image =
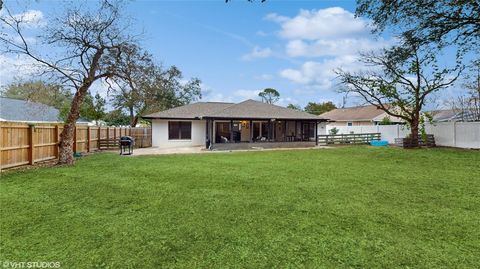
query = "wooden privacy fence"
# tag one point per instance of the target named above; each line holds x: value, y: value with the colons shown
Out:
x: 348, y: 138
x: 22, y: 144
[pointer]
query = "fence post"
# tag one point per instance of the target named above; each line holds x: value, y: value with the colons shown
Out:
x: 98, y: 137
x: 32, y: 146
x: 75, y: 139
x: 88, y: 139
x: 144, y: 135
x: 454, y: 134
x: 114, y: 133
x: 56, y: 141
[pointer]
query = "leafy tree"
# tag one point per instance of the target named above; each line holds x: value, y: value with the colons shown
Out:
x: 385, y: 121
x: 269, y: 95
x: 334, y: 131
x: 117, y: 118
x: 86, y: 40
x: 400, y: 81
x: 144, y: 87
x: 442, y: 22
x: 292, y: 106
x: 319, y: 108
x: 38, y: 91
x: 93, y: 107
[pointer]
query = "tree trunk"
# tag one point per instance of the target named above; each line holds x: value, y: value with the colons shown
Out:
x: 134, y: 122
x: 65, y: 152
x: 414, y: 129
x: 133, y: 118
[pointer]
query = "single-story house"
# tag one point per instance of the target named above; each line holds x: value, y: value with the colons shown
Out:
x: 17, y: 110
x: 358, y: 116
x: 448, y: 115
x: 244, y: 125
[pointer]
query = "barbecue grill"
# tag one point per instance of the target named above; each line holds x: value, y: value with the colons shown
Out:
x: 126, y: 143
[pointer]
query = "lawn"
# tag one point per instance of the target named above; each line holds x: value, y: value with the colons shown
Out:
x: 351, y: 207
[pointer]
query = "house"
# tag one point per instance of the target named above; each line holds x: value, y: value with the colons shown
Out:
x: 26, y: 111
x: 358, y: 116
x: 17, y: 110
x: 447, y: 115
x: 243, y: 125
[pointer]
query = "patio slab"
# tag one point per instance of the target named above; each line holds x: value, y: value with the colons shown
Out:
x: 193, y: 150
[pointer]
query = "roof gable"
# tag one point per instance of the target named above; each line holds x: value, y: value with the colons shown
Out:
x: 249, y: 109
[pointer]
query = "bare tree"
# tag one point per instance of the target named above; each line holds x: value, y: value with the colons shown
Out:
x: 143, y: 87
x: 399, y: 81
x: 467, y: 106
x: 85, y: 39
x: 137, y: 71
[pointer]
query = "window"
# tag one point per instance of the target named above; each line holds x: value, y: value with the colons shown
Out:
x: 349, y: 124
x: 180, y: 130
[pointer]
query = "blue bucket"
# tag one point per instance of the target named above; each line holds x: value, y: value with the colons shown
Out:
x: 379, y: 143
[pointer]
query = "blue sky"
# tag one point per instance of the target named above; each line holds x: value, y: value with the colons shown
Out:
x: 240, y: 48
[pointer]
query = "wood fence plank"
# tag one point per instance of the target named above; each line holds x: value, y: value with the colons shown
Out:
x: 31, y: 144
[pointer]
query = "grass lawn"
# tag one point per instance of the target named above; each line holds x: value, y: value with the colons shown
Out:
x: 357, y: 207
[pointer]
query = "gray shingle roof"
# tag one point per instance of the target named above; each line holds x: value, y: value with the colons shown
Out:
x: 249, y: 109
x: 190, y: 111
x: 21, y: 110
x: 452, y: 115
x: 359, y: 113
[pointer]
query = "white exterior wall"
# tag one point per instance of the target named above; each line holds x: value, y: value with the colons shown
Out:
x: 160, y: 134
x: 449, y: 134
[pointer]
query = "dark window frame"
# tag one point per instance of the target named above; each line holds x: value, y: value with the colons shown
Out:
x: 179, y: 130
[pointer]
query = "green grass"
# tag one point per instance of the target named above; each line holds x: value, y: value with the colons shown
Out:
x: 352, y: 207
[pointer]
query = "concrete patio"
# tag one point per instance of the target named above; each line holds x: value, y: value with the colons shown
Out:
x: 193, y: 150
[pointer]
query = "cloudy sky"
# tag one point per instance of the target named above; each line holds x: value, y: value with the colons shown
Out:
x: 240, y: 48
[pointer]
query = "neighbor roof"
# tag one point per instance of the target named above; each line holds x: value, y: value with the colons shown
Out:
x: 452, y: 115
x: 249, y: 109
x: 21, y: 110
x: 359, y: 113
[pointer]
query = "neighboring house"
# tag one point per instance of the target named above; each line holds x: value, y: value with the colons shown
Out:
x: 358, y: 116
x: 447, y: 115
x: 26, y: 111
x: 16, y: 110
x: 233, y: 126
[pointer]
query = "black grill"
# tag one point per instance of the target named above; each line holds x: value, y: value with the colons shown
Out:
x: 126, y: 143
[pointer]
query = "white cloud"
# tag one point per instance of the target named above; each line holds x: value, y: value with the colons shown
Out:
x: 30, y: 18
x: 328, y: 39
x: 247, y: 94
x: 325, y: 23
x: 326, y: 32
x: 264, y: 77
x: 320, y: 74
x: 257, y: 52
x: 217, y: 97
x: 285, y: 101
x: 17, y: 66
x: 332, y: 47
x: 276, y: 18
x: 210, y: 95
x: 262, y: 33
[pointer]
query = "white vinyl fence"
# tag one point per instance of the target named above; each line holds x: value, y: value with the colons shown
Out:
x: 449, y: 134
